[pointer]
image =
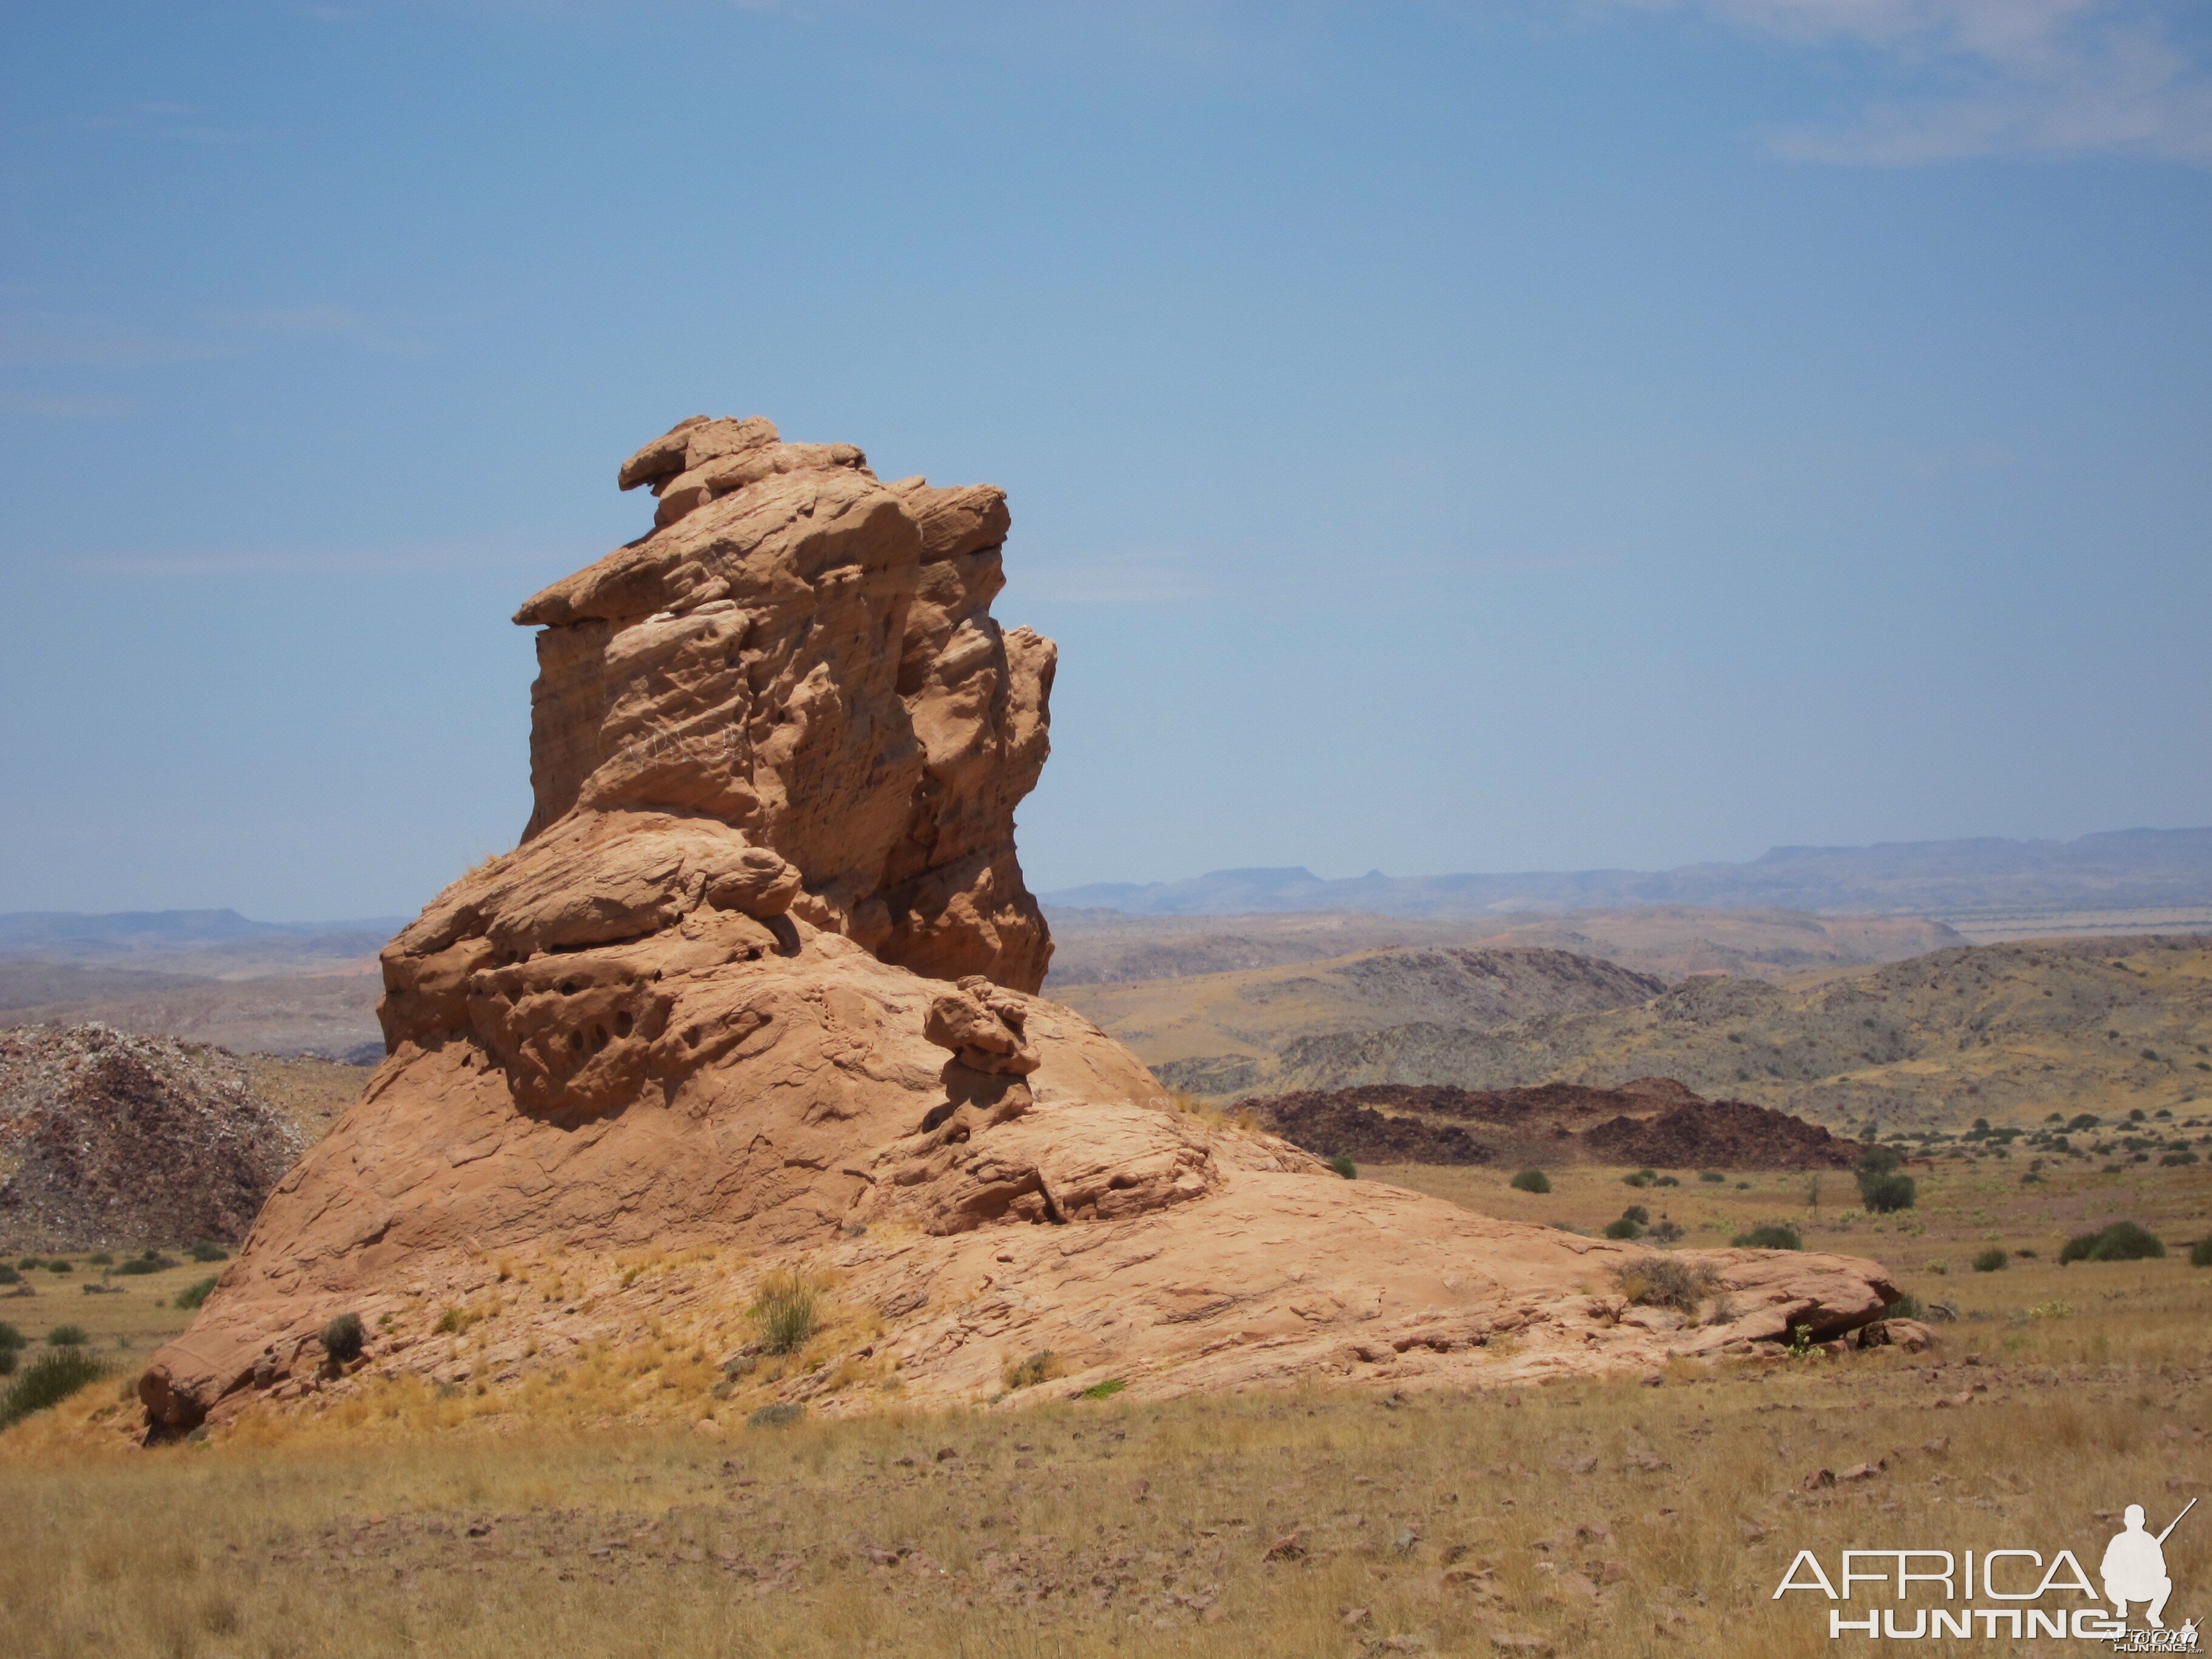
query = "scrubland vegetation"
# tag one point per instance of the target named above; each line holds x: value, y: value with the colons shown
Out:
x: 1600, y: 1519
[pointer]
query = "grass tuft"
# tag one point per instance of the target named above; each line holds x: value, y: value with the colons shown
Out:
x: 785, y: 1313
x: 47, y: 1381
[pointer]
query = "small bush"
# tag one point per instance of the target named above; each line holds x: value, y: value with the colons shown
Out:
x: 1880, y: 1160
x: 9, y: 1276
x: 1531, y: 1180
x: 1636, y: 1213
x: 2200, y: 1253
x: 1772, y: 1236
x: 152, y: 1262
x: 1106, y: 1390
x: 68, y: 1336
x: 1040, y: 1367
x: 454, y: 1322
x: 1665, y: 1281
x: 785, y: 1314
x: 1667, y: 1180
x: 1343, y: 1165
x: 1642, y: 1178
x: 1663, y: 1231
x: 2124, y: 1241
x: 1882, y: 1194
x: 1907, y: 1306
x: 1623, y: 1228
x: 342, y: 1339
x: 58, y: 1266
x: 206, y: 1251
x: 194, y: 1294
x: 1712, y: 1177
x: 7, y: 1362
x: 28, y: 1263
x: 9, y: 1336
x: 100, y: 1259
x: 48, y: 1380
x: 1991, y: 1261
x: 776, y: 1416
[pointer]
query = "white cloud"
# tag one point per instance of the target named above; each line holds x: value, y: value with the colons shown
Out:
x: 2000, y: 77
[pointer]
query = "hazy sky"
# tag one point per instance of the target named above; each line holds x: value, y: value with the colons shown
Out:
x: 1451, y: 436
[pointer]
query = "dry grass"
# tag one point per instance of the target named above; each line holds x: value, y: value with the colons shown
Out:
x: 1101, y: 1528
x: 419, y: 1519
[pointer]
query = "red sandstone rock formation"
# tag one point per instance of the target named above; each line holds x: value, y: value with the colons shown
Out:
x: 759, y: 979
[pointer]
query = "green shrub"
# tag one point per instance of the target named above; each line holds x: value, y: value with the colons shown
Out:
x: 1642, y: 1178
x: 1907, y: 1306
x: 9, y: 1276
x: 342, y: 1339
x: 2200, y: 1253
x: 776, y: 1416
x: 206, y: 1251
x: 1531, y: 1180
x: 194, y: 1294
x: 100, y: 1259
x: 68, y: 1336
x: 7, y: 1362
x: 29, y: 1262
x: 1667, y: 1180
x: 1105, y: 1390
x: 58, y: 1266
x: 1636, y: 1213
x: 2124, y: 1241
x: 9, y: 1336
x: 48, y: 1380
x: 785, y: 1314
x: 153, y: 1261
x: 1623, y: 1228
x: 1884, y: 1193
x: 1991, y: 1261
x: 1771, y: 1236
x: 1712, y: 1177
x: 1343, y: 1165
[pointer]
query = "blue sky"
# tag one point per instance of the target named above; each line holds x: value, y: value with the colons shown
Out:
x: 1473, y: 436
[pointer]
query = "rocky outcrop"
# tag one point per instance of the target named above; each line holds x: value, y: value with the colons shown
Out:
x: 1647, y: 1121
x: 757, y: 992
x: 108, y: 1140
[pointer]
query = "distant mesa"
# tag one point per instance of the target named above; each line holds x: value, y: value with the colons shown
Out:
x: 2117, y: 871
x: 758, y: 990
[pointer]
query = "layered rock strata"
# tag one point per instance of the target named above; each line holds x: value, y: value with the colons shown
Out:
x: 757, y: 991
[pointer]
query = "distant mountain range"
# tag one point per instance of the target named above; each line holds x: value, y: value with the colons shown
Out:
x: 25, y: 930
x: 2124, y: 870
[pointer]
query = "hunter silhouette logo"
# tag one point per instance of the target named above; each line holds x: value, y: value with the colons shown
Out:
x: 2009, y: 1594
x: 2134, y: 1568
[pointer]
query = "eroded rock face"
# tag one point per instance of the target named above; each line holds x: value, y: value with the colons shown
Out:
x: 807, y: 656
x: 759, y: 981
